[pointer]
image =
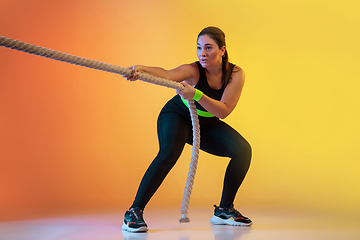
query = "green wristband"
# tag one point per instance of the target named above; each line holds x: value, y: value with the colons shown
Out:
x: 198, y: 94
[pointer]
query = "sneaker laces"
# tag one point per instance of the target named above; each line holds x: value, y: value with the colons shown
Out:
x: 137, y: 214
x: 233, y: 210
x: 132, y: 210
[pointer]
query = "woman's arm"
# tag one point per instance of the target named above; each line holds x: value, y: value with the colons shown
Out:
x: 187, y: 72
x: 230, y: 98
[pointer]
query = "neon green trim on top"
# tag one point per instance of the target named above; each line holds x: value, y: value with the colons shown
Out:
x: 199, y: 112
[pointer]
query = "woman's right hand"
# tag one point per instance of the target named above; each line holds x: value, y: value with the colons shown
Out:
x: 134, y: 76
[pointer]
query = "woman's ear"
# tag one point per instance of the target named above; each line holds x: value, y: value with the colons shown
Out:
x: 222, y: 51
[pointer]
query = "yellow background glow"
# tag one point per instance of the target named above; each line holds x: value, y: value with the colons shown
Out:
x: 77, y: 139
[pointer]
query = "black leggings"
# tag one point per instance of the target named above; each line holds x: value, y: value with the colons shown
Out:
x: 217, y: 138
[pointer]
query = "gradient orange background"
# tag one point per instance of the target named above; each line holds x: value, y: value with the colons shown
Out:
x: 75, y: 139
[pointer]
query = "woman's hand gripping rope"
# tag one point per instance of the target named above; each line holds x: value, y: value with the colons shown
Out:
x: 134, y: 73
x: 187, y: 93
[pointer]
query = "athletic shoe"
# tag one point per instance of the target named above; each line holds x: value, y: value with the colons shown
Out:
x: 134, y: 221
x: 229, y: 216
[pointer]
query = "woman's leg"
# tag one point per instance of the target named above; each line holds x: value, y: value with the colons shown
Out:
x: 173, y: 131
x: 220, y: 139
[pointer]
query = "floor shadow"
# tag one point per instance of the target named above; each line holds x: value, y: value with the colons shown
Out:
x: 134, y: 236
x: 227, y: 232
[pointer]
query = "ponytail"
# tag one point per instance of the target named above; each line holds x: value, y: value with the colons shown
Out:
x: 225, y: 70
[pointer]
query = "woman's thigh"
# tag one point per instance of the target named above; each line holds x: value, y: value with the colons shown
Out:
x: 173, y: 131
x: 219, y: 139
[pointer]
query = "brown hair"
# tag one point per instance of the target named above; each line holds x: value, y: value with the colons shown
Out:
x: 219, y: 37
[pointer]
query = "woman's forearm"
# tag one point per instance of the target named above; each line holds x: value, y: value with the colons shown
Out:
x: 216, y: 108
x: 155, y: 71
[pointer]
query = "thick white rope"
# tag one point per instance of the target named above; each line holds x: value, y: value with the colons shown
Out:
x: 193, y: 164
x: 64, y: 57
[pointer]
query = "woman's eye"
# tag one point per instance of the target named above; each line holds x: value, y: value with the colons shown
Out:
x: 198, y: 48
x: 208, y: 48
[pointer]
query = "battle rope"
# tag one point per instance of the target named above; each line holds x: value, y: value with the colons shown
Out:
x: 64, y: 57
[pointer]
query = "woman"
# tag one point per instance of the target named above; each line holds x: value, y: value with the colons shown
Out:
x: 215, y: 85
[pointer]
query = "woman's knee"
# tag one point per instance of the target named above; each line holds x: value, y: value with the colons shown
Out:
x: 242, y: 151
x: 248, y: 149
x: 167, y: 157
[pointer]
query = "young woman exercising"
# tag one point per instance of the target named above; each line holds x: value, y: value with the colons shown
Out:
x: 215, y: 85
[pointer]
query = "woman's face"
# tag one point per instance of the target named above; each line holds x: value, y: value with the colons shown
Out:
x: 208, y: 51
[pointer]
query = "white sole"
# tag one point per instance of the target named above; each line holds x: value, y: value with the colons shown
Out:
x: 129, y: 229
x: 219, y: 221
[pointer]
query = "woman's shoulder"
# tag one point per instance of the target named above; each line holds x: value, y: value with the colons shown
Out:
x: 189, y: 66
x: 237, y: 70
x: 195, y: 65
x: 238, y: 74
x: 186, y: 72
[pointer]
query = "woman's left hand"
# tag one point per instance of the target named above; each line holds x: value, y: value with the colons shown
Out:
x: 187, y: 93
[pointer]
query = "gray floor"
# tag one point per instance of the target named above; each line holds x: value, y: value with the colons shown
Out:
x: 164, y: 225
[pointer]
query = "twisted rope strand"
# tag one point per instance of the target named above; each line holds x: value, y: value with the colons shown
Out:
x: 72, y: 59
x: 193, y: 164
